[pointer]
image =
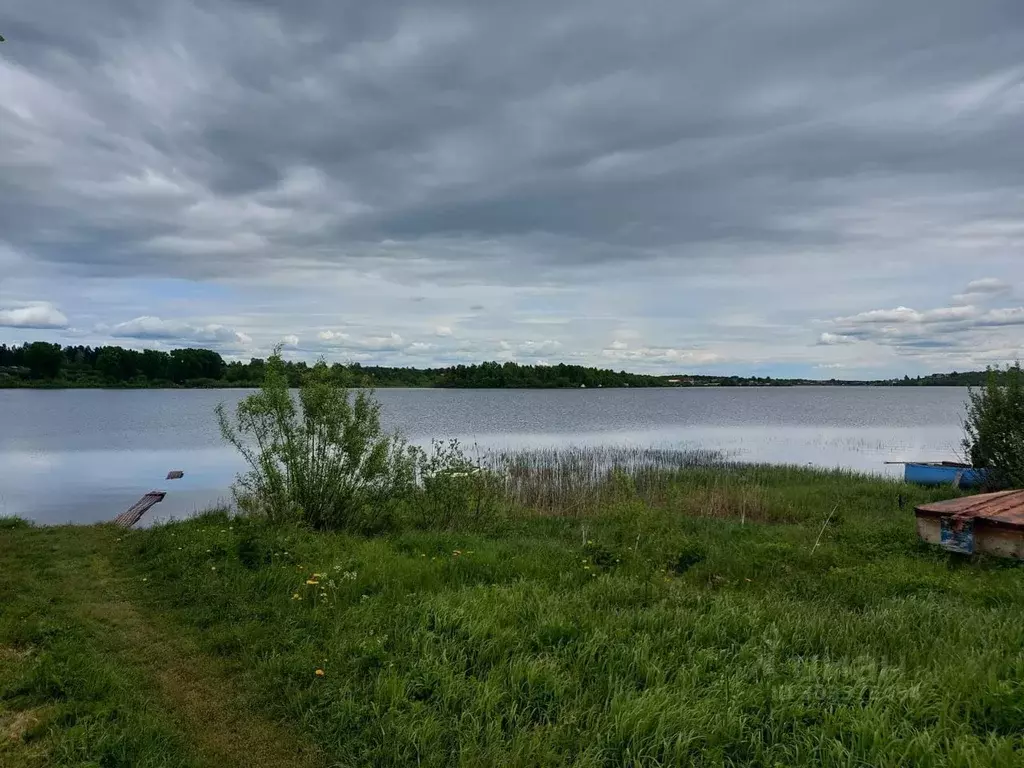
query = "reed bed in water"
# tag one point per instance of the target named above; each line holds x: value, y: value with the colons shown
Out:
x: 582, y: 481
x: 576, y: 480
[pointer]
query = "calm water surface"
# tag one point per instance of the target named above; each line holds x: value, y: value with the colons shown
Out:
x: 86, y: 455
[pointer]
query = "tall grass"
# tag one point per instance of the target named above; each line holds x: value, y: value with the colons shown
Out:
x: 675, y: 634
x: 582, y: 482
x: 578, y: 481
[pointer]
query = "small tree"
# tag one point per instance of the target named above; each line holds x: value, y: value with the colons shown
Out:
x: 994, y: 428
x: 323, y: 459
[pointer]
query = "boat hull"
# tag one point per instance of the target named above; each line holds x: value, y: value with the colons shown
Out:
x: 943, y: 474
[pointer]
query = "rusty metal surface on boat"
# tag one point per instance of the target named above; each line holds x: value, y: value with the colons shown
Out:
x: 989, y: 522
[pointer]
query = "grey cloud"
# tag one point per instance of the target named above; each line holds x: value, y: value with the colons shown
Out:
x: 187, y: 139
x: 628, y: 158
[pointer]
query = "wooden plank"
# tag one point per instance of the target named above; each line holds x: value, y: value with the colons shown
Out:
x: 175, y: 474
x: 134, y: 513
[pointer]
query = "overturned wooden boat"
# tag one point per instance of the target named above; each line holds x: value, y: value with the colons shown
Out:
x: 943, y: 473
x: 989, y: 522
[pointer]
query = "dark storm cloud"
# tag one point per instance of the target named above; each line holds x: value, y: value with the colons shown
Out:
x: 512, y: 144
x: 667, y: 125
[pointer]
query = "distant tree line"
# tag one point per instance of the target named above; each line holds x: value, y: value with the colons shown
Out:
x: 954, y: 379
x: 41, y: 364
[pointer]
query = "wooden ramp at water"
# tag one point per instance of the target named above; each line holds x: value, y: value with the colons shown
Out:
x: 133, y: 514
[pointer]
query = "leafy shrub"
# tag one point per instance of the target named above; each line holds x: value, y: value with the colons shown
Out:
x: 994, y: 428
x: 455, y: 490
x: 322, y: 458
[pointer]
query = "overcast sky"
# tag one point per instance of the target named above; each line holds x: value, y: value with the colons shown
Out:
x: 791, y: 187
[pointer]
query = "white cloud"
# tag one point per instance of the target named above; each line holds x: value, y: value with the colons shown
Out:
x: 155, y: 328
x: 40, y: 315
x: 546, y: 347
x: 984, y: 291
x: 831, y: 339
x: 340, y: 340
x: 442, y: 330
x: 663, y: 355
x: 988, y: 285
x: 901, y: 315
x: 332, y: 336
x: 291, y: 340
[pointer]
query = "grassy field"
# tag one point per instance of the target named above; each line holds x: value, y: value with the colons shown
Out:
x: 694, y: 616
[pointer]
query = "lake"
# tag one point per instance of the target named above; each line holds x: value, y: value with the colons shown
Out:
x: 86, y: 455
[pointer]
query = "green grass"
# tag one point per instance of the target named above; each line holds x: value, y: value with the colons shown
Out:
x: 687, y: 622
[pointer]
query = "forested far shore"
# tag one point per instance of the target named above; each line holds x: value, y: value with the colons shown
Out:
x: 45, y: 365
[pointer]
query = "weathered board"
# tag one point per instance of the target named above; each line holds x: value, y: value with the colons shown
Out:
x: 134, y: 513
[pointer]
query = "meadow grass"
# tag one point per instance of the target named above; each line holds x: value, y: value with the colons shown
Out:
x: 693, y: 615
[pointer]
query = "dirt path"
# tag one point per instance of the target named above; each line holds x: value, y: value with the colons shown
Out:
x: 191, y: 690
x: 196, y: 686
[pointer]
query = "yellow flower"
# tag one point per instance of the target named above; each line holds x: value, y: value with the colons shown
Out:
x: 296, y: 596
x: 457, y: 552
x: 314, y: 582
x: 319, y: 672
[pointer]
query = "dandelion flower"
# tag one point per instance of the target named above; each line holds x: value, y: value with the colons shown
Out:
x: 319, y: 672
x: 296, y: 596
x: 312, y: 582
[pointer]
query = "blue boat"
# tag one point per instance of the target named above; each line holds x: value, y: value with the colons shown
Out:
x: 943, y: 473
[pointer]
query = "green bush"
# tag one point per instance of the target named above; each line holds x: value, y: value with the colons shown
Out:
x: 321, y: 458
x: 455, y: 491
x: 994, y: 428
